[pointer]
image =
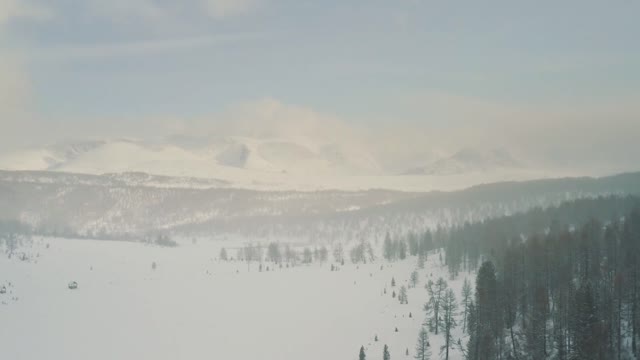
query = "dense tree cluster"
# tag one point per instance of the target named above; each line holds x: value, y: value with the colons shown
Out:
x: 278, y: 254
x: 569, y: 289
x: 466, y: 244
x: 560, y: 283
x: 413, y: 245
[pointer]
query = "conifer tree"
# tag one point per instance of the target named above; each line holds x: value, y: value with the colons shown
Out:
x: 487, y: 322
x: 436, y: 293
x: 387, y: 250
x: 423, y: 351
x: 585, y: 337
x: 402, y: 250
x: 449, y: 310
x: 385, y: 353
x: 402, y: 296
x: 414, y: 278
x: 466, y: 301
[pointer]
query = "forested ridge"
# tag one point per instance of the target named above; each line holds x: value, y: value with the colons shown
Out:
x: 558, y: 283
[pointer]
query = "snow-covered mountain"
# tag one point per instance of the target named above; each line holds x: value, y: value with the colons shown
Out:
x: 270, y: 163
x: 198, y: 157
x: 469, y: 161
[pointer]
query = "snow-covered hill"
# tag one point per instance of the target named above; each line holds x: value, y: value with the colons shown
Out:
x: 468, y: 161
x: 134, y: 204
x: 272, y: 163
x: 204, y: 157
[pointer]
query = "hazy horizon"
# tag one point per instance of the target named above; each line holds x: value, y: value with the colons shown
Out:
x: 406, y: 83
x: 322, y: 180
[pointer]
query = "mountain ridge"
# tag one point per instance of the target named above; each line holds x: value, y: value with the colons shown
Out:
x: 135, y: 204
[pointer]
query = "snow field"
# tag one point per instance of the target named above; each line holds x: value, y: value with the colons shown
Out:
x: 193, y: 306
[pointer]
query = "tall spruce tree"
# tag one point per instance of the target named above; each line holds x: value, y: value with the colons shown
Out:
x: 436, y: 292
x: 387, y: 250
x: 466, y: 301
x: 585, y: 326
x: 423, y: 351
x: 488, y: 325
x: 449, y: 311
x: 402, y: 296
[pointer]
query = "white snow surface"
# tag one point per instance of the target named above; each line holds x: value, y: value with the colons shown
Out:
x: 196, y: 307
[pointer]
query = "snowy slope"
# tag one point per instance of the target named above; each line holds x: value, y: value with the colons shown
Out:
x: 272, y: 163
x: 133, y: 204
x: 195, y: 307
x: 180, y: 157
x: 469, y: 161
x: 47, y: 157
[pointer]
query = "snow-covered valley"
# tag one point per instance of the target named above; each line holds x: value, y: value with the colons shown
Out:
x: 195, y: 306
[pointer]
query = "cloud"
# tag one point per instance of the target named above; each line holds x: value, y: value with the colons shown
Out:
x: 154, y: 12
x: 99, y: 51
x: 15, y: 93
x: 227, y: 8
x: 120, y: 10
x: 272, y: 118
x: 22, y: 9
x: 594, y: 138
x: 600, y: 132
x: 14, y: 87
x: 15, y: 84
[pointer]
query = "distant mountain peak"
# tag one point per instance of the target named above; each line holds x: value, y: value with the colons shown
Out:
x: 468, y: 160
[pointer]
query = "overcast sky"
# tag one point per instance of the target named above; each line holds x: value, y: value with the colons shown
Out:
x: 549, y: 77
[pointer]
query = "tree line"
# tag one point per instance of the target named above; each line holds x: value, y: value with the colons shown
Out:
x: 568, y: 289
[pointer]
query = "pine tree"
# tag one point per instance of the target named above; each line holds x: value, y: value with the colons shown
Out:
x: 402, y: 297
x: 402, y: 250
x: 413, y: 244
x: 307, y: 256
x: 436, y: 293
x: 421, y: 261
x: 223, y: 254
x: 338, y: 253
x: 323, y: 254
x: 511, y: 290
x: 387, y: 250
x: 414, y: 278
x: 362, y: 355
x: 449, y: 309
x: 385, y: 353
x: 273, y: 252
x: 423, y: 352
x: 487, y: 327
x: 466, y: 301
x: 585, y: 337
x: 426, y: 244
x: 472, y: 330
